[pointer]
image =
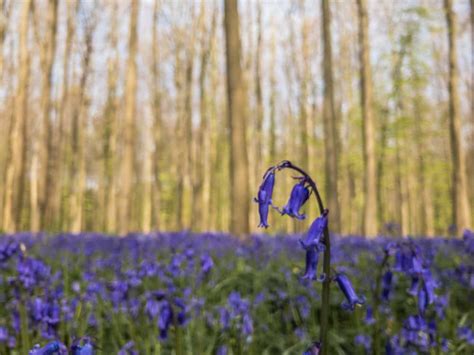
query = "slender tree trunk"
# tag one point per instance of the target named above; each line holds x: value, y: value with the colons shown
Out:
x: 157, y: 121
x: 125, y: 203
x: 461, y: 208
x: 59, y: 206
x: 78, y: 130
x: 110, y: 131
x: 14, y: 183
x: 329, y: 118
x: 237, y: 108
x: 47, y: 165
x: 370, y: 191
x: 201, y: 153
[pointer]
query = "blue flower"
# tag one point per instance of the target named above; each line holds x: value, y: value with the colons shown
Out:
x: 52, y: 348
x: 351, y: 297
x: 82, y: 346
x: 312, y: 258
x: 315, y: 232
x: 313, y: 349
x: 165, y: 319
x: 299, y: 195
x: 386, y: 285
x: 264, y: 199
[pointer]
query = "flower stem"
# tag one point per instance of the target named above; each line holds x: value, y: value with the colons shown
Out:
x: 376, y: 305
x: 324, y: 320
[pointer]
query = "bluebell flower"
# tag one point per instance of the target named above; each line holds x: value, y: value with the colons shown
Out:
x: 298, y: 197
x: 128, y: 349
x: 422, y: 301
x: 351, y: 297
x: 52, y: 348
x: 386, y: 285
x: 313, y: 349
x: 3, y: 334
x: 222, y: 350
x: 264, y: 198
x: 316, y: 232
x: 206, y: 263
x: 165, y: 319
x: 312, y: 258
x: 415, y: 281
x: 247, y: 324
x: 369, y: 317
x: 363, y: 340
x: 82, y: 346
x: 467, y: 334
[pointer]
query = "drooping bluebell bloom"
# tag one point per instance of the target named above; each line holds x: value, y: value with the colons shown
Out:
x: 365, y: 341
x: 128, y: 349
x: 415, y: 281
x: 429, y: 285
x: 52, y: 348
x: 386, y: 285
x: 165, y: 319
x: 422, y: 301
x: 351, y: 297
x: 206, y: 263
x: 369, y: 317
x: 311, y: 269
x: 82, y: 346
x: 313, y: 349
x: 264, y: 198
x: 298, y: 197
x: 315, y: 232
x: 3, y: 334
x: 467, y: 334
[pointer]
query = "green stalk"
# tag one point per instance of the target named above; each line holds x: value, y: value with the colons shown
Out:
x: 325, y: 302
x: 326, y: 295
x: 376, y: 302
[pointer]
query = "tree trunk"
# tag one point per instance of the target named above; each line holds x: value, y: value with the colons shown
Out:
x: 110, y: 131
x: 14, y: 183
x: 47, y: 149
x: 125, y: 203
x: 78, y: 130
x: 329, y: 118
x: 460, y: 203
x: 157, y: 122
x: 370, y: 192
x: 237, y: 108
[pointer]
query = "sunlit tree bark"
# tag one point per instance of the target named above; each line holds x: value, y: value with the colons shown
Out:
x: 370, y: 202
x: 237, y: 108
x: 15, y: 174
x: 329, y: 118
x: 460, y: 203
x: 129, y: 132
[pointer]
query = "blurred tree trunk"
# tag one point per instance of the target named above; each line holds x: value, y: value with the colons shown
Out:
x: 78, y: 131
x: 59, y: 208
x: 259, y: 114
x: 127, y: 168
x: 237, y: 108
x: 272, y: 151
x: 14, y: 183
x: 157, y: 121
x: 370, y: 191
x: 304, y: 79
x: 329, y: 118
x: 460, y: 203
x: 202, y: 165
x: 110, y: 130
x: 48, y: 147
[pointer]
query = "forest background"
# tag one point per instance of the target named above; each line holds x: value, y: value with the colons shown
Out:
x: 122, y: 116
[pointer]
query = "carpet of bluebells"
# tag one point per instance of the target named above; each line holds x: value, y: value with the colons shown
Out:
x: 184, y: 293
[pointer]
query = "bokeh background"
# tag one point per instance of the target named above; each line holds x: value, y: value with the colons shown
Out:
x: 114, y: 115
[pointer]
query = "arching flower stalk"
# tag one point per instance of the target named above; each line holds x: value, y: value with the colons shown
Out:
x: 317, y: 239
